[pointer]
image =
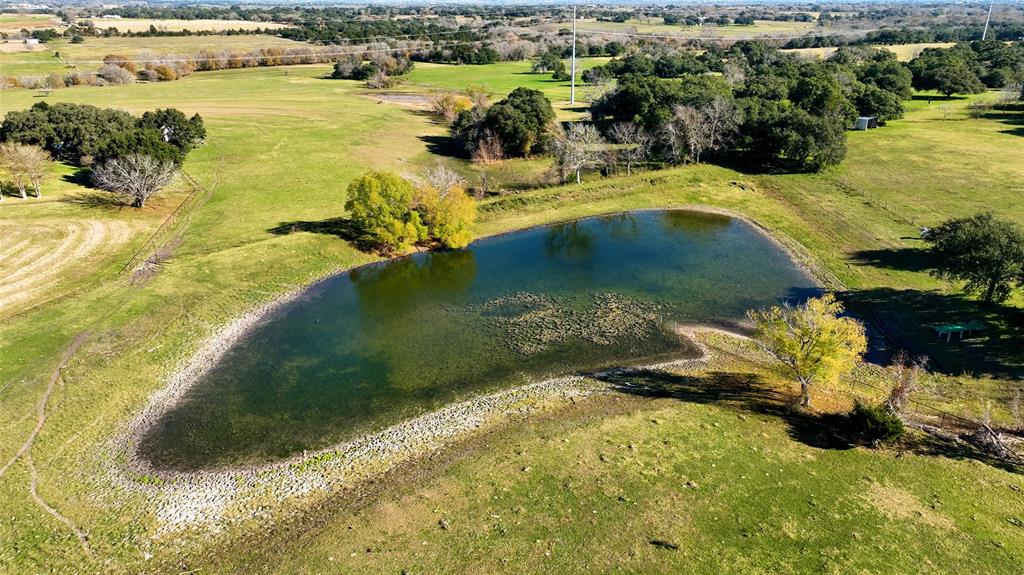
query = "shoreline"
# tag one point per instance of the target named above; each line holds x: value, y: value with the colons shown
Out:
x: 213, y: 499
x: 208, y: 494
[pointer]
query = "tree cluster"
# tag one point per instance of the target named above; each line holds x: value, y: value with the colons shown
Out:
x: 517, y: 124
x: 776, y: 107
x: 82, y: 134
x: 392, y: 214
x: 969, y: 68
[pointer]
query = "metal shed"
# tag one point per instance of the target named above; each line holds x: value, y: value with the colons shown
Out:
x: 866, y: 123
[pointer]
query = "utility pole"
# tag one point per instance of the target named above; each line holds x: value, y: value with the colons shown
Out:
x: 572, y: 67
x: 987, y: 18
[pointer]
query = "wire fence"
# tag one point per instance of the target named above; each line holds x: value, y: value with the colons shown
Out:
x: 172, y: 226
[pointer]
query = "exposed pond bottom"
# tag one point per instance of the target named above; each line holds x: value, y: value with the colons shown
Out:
x: 385, y: 342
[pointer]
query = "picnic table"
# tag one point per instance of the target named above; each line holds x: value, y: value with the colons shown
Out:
x: 962, y: 329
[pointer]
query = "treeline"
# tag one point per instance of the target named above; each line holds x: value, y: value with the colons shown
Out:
x: 1007, y: 31
x: 782, y: 109
x: 84, y: 135
x: 753, y: 102
x: 969, y: 67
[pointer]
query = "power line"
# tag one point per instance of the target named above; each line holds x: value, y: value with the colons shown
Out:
x: 727, y: 38
x: 236, y: 56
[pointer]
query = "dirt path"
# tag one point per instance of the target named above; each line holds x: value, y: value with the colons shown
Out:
x: 41, y: 406
x: 26, y: 448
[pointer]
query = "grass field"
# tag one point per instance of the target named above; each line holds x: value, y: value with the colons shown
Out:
x: 89, y: 54
x: 657, y: 26
x: 143, y: 24
x: 499, y: 78
x: 904, y: 52
x: 16, y: 22
x: 283, y: 143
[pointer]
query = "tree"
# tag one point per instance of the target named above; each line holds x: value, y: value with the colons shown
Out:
x: 636, y: 142
x: 874, y: 101
x: 448, y: 212
x: 380, y: 204
x: 983, y: 251
x: 10, y: 161
x: 175, y: 128
x: 812, y: 342
x: 520, y: 121
x: 812, y: 141
x: 448, y: 105
x: 443, y: 178
x: 905, y: 374
x: 947, y: 70
x: 704, y: 128
x: 576, y: 148
x: 27, y: 165
x: 36, y: 162
x: 136, y: 176
x: 956, y: 79
x: 686, y: 134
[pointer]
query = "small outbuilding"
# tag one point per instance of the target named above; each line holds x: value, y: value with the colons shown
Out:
x: 32, y: 41
x: 866, y: 123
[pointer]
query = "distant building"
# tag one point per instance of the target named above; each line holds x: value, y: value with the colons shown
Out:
x: 110, y: 17
x: 32, y: 41
x: 866, y: 123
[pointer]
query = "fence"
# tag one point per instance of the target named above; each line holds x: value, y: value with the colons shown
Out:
x: 171, y: 226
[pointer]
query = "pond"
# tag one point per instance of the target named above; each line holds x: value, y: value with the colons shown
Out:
x: 385, y: 342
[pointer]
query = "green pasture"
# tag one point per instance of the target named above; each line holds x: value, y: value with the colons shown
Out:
x: 283, y: 144
x: 500, y: 78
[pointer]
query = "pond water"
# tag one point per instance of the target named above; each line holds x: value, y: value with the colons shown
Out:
x: 385, y: 342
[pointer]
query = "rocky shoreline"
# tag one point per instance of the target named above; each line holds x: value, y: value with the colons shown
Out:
x: 215, y: 498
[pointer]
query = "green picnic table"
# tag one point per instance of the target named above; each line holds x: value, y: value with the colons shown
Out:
x: 963, y: 329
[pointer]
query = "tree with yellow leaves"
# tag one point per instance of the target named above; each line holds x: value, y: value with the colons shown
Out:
x: 449, y: 213
x: 812, y: 342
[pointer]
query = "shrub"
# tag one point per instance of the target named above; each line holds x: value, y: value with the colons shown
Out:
x: 115, y: 74
x: 873, y: 424
x: 380, y: 204
x: 449, y: 213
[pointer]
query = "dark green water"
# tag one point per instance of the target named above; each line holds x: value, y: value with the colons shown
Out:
x: 365, y: 349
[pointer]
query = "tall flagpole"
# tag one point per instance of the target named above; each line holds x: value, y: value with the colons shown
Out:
x: 572, y: 85
x: 987, y: 18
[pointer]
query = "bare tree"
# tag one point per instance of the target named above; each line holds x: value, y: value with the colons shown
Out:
x: 1016, y: 411
x: 442, y: 178
x: 576, y: 148
x: 688, y: 130
x: 637, y: 142
x: 723, y: 122
x: 136, y: 176
x: 478, y: 95
x: 700, y: 130
x: 27, y: 165
x: 905, y: 374
x: 488, y: 149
